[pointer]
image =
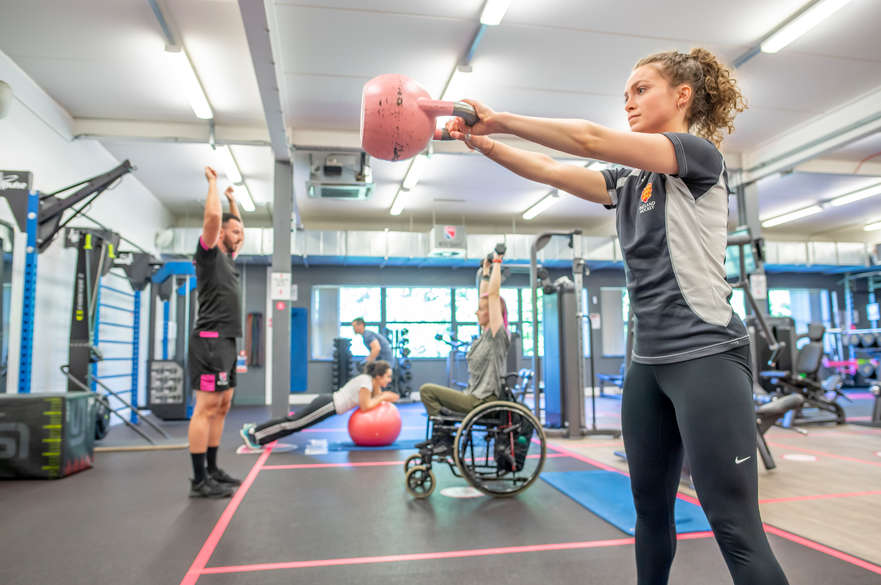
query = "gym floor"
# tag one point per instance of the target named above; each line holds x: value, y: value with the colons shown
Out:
x: 340, y: 516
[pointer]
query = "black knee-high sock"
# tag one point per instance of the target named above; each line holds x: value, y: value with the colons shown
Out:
x: 198, y: 466
x: 212, y: 459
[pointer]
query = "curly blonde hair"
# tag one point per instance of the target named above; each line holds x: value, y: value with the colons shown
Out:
x: 716, y: 99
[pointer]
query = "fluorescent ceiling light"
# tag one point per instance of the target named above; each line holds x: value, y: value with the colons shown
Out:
x: 857, y: 195
x: 791, y: 216
x: 494, y: 11
x: 398, y: 203
x: 245, y: 199
x: 228, y: 165
x: 871, y: 227
x: 415, y: 171
x: 187, y: 80
x: 455, y: 89
x: 543, y: 204
x: 801, y: 24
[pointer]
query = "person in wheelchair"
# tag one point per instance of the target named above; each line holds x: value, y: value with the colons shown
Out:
x: 486, y: 358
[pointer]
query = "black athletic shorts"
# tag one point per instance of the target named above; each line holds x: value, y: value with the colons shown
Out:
x: 212, y: 362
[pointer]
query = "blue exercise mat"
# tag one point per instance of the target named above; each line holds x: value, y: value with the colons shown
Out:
x: 607, y: 494
x: 399, y: 445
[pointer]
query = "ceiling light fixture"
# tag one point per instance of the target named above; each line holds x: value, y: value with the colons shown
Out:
x: 227, y: 163
x: 247, y: 201
x: 415, y: 171
x: 871, y: 227
x: 792, y: 216
x: 494, y: 11
x: 455, y: 88
x: 858, y: 195
x: 188, y: 81
x: 542, y: 205
x: 398, y: 203
x: 801, y: 24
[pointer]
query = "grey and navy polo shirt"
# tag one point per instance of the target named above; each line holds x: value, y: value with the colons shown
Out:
x: 673, y: 231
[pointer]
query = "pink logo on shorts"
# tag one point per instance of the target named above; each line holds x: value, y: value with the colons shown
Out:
x: 206, y: 382
x: 222, y: 379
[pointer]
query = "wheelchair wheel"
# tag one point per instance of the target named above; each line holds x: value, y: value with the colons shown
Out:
x: 500, y: 448
x: 420, y: 481
x: 412, y: 461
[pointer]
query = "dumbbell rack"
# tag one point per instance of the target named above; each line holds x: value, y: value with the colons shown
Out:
x: 402, y: 376
x: 863, y: 345
x: 343, y: 368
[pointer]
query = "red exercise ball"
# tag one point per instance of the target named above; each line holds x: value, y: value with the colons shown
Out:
x: 377, y: 427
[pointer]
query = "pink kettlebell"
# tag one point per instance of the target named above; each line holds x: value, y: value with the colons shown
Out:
x: 398, y: 117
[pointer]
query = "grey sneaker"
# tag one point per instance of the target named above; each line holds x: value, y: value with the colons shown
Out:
x: 223, y: 478
x: 208, y: 488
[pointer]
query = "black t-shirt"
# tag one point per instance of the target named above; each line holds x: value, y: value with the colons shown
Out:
x: 217, y: 282
x: 673, y: 234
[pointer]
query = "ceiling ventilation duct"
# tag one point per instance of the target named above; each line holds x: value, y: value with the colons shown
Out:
x: 339, y: 176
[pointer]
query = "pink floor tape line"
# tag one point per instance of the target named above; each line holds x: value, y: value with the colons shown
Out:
x: 198, y: 566
x: 821, y: 497
x: 824, y: 549
x: 768, y: 528
x: 366, y: 463
x: 603, y: 466
x: 453, y: 554
x: 824, y: 454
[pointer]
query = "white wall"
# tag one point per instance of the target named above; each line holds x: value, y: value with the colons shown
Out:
x: 36, y: 136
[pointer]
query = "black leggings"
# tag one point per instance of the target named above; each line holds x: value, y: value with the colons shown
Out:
x: 703, y: 407
x: 318, y: 410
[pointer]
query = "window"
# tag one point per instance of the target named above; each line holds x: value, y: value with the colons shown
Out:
x: 615, y: 309
x: 424, y: 312
x: 364, y: 302
x: 586, y: 331
x: 466, y: 307
x: 738, y: 302
x: 804, y: 305
x: 526, y: 322
x: 334, y: 308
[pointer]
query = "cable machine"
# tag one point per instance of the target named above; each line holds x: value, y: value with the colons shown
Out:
x: 562, y: 325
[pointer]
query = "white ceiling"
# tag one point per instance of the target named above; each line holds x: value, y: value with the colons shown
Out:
x: 564, y: 58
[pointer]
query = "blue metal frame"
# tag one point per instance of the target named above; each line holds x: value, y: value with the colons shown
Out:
x: 26, y: 354
x: 166, y: 314
x: 134, y: 359
x: 136, y: 354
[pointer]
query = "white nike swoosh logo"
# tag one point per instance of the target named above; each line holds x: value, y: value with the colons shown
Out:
x: 738, y: 460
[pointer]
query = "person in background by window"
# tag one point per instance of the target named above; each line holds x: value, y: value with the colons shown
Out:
x: 377, y: 344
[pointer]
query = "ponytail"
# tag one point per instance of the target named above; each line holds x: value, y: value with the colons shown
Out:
x: 716, y: 98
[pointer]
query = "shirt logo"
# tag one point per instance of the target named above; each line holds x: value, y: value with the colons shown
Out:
x: 646, y: 205
x: 738, y: 460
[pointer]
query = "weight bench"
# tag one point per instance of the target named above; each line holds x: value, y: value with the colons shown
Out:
x: 614, y: 379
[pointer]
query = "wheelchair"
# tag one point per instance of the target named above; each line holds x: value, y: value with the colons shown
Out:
x: 499, y: 447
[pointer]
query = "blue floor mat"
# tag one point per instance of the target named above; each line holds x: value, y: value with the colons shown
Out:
x: 399, y: 445
x: 607, y: 494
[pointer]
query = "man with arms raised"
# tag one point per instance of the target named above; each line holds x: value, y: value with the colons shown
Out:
x: 212, y: 356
